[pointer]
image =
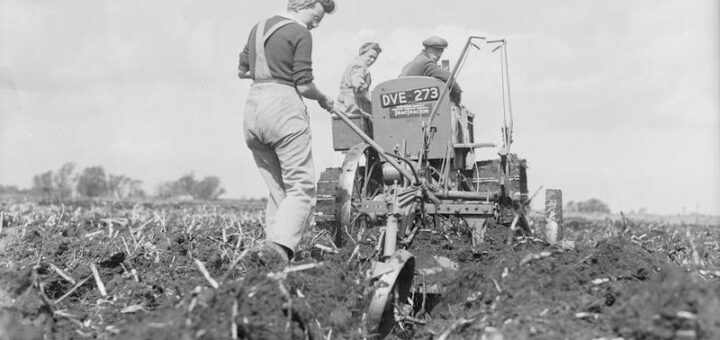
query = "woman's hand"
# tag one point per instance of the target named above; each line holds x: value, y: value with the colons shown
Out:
x: 327, y: 103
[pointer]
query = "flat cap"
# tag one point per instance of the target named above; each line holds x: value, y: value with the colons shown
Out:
x: 435, y: 41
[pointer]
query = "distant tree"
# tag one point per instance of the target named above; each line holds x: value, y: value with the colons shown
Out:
x: 64, y: 180
x: 121, y: 186
x: 595, y: 205
x: 92, y: 182
x: 170, y: 189
x: 592, y: 205
x: 164, y: 190
x: 9, y: 189
x: 43, y: 183
x: 116, y: 183
x: 135, y: 188
x: 208, y: 189
x: 186, y: 184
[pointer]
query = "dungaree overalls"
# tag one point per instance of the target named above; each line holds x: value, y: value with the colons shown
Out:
x: 277, y: 131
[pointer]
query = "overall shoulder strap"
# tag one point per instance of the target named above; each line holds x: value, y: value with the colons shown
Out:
x: 262, y: 70
x: 277, y: 27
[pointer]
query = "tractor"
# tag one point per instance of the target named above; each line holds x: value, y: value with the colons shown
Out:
x: 405, y: 167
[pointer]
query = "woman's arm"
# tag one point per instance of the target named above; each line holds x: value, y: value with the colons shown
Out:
x: 310, y: 91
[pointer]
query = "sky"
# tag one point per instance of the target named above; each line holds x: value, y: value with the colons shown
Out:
x: 616, y: 100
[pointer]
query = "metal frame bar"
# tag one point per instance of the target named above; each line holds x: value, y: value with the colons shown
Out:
x: 375, y: 146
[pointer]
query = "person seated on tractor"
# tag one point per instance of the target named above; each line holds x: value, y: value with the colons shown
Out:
x: 425, y: 64
x: 354, y: 95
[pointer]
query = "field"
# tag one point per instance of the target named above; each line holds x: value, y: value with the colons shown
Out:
x: 119, y: 270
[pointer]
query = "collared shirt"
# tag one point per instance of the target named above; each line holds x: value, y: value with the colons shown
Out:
x: 288, y: 52
x: 356, y: 77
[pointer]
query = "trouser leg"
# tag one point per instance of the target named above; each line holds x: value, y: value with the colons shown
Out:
x: 295, y: 155
x: 277, y: 131
x: 455, y: 123
x: 269, y: 165
x: 462, y: 117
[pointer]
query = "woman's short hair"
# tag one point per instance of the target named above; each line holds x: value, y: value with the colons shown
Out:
x: 369, y: 46
x: 296, y: 5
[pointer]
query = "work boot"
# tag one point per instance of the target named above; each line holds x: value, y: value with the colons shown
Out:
x: 284, y: 252
x: 269, y: 256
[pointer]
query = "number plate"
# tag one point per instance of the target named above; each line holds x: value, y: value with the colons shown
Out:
x: 424, y: 94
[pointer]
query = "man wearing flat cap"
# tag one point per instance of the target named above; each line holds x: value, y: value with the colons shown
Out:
x: 425, y: 64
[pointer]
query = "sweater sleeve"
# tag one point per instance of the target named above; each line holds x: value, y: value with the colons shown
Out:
x: 302, y: 60
x: 435, y: 71
x: 244, y: 64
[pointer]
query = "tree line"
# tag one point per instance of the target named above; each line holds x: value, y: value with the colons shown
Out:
x: 187, y: 186
x: 592, y: 205
x: 94, y: 182
x: 91, y: 182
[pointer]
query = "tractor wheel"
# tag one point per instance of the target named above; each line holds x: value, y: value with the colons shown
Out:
x: 361, y: 179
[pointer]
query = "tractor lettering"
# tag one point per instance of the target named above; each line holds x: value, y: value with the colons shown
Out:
x: 418, y: 95
x: 402, y: 99
x: 425, y: 94
x: 409, y: 96
x: 393, y: 99
x: 385, y: 100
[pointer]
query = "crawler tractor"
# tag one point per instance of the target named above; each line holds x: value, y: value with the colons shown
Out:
x: 405, y: 169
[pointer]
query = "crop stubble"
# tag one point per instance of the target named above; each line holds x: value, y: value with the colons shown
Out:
x: 625, y: 279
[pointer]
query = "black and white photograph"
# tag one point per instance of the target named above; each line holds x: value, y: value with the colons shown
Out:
x: 344, y: 169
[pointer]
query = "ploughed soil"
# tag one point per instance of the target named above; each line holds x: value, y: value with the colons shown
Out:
x: 114, y: 270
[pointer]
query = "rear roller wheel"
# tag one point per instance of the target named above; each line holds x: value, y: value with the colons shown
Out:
x: 392, y: 281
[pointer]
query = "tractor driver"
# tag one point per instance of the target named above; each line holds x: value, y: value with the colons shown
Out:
x: 425, y: 64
